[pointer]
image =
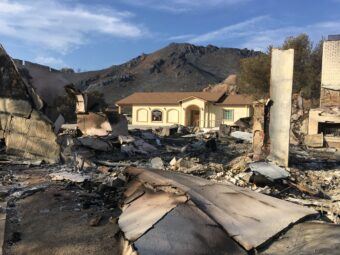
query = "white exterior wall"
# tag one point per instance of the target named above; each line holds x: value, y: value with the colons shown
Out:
x: 216, y: 114
x: 210, y: 115
x: 141, y: 115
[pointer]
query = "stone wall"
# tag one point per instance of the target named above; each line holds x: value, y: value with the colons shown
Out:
x: 26, y: 131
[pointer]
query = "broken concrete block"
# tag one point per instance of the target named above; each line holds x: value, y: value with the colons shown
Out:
x: 68, y: 176
x: 93, y: 124
x: 101, y: 124
x: 157, y: 163
x: 269, y: 170
x: 126, y: 139
x: 173, y: 161
x: 224, y: 130
x: 315, y: 141
x: 245, y: 136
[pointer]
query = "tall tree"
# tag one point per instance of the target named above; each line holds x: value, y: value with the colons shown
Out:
x: 303, y: 78
x: 254, y: 73
x: 254, y: 76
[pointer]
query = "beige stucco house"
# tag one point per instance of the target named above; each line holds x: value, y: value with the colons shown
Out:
x: 203, y: 109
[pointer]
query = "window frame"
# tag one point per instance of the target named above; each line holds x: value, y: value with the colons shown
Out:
x: 225, y: 114
x: 156, y: 110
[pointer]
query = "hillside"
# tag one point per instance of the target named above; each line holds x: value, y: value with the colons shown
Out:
x: 177, y: 67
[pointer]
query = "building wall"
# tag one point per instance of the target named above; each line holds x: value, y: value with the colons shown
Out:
x: 216, y: 114
x: 210, y: 115
x: 201, y: 105
x: 330, y: 76
x: 171, y: 114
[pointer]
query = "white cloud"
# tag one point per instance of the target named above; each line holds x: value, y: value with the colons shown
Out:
x: 260, y: 39
x: 181, y: 37
x: 260, y: 32
x: 50, y: 61
x: 233, y: 30
x: 178, y: 6
x: 61, y: 27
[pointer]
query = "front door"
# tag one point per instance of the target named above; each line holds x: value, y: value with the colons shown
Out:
x: 195, y: 118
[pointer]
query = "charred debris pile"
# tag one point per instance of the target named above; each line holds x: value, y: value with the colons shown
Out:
x: 221, y: 190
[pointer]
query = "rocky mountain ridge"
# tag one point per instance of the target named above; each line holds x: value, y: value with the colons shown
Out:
x: 177, y: 67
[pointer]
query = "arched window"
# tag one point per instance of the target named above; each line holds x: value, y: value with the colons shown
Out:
x: 173, y: 116
x: 156, y: 115
x: 142, y: 115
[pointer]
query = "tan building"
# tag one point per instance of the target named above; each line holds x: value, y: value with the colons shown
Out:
x: 203, y: 109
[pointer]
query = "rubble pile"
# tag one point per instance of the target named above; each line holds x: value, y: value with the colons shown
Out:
x: 299, y: 119
x: 121, y: 191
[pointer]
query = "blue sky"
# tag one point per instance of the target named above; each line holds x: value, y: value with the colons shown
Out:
x: 94, y: 34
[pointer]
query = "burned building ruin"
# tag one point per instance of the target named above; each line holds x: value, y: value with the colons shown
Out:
x: 324, y: 122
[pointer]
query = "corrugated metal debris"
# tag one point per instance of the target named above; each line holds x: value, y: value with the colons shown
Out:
x: 245, y: 218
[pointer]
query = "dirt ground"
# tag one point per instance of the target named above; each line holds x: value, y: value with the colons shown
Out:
x: 57, y: 220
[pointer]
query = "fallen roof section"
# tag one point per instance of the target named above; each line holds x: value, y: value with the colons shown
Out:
x: 250, y: 219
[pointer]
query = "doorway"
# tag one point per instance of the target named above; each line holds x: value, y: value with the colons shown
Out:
x: 193, y: 116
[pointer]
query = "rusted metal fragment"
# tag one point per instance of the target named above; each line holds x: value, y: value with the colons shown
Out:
x: 307, y: 238
x: 281, y: 84
x: 187, y: 230
x: 249, y: 217
x: 141, y: 214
